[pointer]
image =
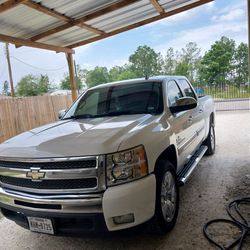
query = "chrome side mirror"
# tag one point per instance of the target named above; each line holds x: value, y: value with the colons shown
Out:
x: 184, y: 103
x: 61, y: 114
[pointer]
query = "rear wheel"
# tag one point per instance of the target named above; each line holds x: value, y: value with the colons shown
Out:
x: 167, y: 199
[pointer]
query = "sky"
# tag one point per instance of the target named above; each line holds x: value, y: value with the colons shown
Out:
x: 203, y: 25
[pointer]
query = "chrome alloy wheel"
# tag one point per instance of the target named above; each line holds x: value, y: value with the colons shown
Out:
x: 168, y: 196
x: 212, y: 138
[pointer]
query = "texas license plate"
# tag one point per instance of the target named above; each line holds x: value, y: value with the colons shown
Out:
x: 40, y: 225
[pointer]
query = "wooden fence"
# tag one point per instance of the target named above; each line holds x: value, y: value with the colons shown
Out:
x: 21, y: 114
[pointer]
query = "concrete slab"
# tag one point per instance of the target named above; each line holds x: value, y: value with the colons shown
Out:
x: 218, y: 179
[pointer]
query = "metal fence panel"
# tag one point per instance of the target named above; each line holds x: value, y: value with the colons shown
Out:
x: 232, y: 104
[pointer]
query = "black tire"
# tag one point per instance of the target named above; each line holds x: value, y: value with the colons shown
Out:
x: 210, y: 141
x: 161, y: 223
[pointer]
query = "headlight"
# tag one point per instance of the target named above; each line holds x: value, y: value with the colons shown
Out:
x: 126, y: 166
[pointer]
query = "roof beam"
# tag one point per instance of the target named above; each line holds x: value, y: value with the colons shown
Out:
x: 58, y: 15
x: 82, y: 20
x: 23, y: 42
x: 141, y: 23
x: 10, y: 4
x: 157, y: 6
x: 45, y: 10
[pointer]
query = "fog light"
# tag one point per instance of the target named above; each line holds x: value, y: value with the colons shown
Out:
x: 123, y: 219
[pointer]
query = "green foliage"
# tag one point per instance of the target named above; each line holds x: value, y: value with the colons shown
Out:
x: 185, y: 62
x: 190, y: 60
x: 97, y: 76
x: 169, y: 66
x: 182, y: 68
x: 127, y: 74
x: 65, y: 82
x: 119, y: 73
x: 223, y: 64
x: 115, y: 72
x: 81, y: 77
x: 241, y: 64
x: 43, y: 84
x: 146, y: 62
x: 31, y: 85
x: 217, y: 64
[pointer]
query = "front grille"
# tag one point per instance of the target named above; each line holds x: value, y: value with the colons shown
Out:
x: 50, y: 165
x: 62, y: 184
x: 73, y: 175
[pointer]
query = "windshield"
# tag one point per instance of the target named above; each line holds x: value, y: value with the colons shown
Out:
x: 134, y: 98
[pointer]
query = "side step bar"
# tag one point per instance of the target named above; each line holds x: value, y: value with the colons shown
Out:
x: 187, y: 170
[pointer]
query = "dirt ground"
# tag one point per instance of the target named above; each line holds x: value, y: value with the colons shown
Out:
x: 217, y: 180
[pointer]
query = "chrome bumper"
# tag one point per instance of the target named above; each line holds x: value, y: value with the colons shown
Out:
x: 87, y: 203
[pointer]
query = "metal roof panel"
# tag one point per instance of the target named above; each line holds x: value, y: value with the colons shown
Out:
x: 25, y: 22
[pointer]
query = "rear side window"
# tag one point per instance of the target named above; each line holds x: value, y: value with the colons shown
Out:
x: 186, y: 89
x: 140, y: 97
x: 173, y: 93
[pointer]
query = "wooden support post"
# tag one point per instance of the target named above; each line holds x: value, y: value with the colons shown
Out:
x: 10, y: 70
x: 69, y: 57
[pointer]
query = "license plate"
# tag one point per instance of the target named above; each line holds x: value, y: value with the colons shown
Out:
x: 40, y: 225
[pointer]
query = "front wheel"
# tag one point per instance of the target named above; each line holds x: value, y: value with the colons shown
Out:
x: 167, y: 199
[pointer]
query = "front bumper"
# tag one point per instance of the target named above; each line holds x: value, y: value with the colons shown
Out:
x: 137, y: 198
x: 64, y: 224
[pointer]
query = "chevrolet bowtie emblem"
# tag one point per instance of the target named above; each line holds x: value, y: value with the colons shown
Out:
x: 35, y: 174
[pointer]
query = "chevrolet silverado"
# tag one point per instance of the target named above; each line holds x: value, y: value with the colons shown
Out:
x: 114, y: 160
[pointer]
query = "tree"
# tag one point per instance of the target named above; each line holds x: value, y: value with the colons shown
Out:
x: 6, y: 88
x: 127, y: 73
x: 43, y: 84
x: 182, y: 69
x: 217, y: 64
x: 119, y: 73
x: 146, y: 62
x: 190, y: 59
x: 65, y: 82
x: 97, y: 76
x: 169, y: 62
x: 31, y: 85
x: 241, y: 64
x: 80, y: 80
x: 115, y: 72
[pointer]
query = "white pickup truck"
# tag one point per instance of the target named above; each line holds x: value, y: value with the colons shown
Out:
x: 115, y: 159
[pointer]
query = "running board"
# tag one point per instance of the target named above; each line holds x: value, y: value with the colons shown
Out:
x: 187, y: 170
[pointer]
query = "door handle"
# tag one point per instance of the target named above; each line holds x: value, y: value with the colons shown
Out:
x: 190, y: 118
x: 200, y: 110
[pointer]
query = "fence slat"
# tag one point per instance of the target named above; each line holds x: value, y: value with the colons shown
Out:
x: 18, y: 115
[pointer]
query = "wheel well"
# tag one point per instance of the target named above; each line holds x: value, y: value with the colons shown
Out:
x: 212, y: 122
x: 168, y: 154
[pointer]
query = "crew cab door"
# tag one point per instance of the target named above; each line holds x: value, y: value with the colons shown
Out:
x: 196, y: 118
x: 180, y: 124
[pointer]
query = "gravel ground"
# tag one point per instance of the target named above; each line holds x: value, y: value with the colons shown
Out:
x: 218, y: 179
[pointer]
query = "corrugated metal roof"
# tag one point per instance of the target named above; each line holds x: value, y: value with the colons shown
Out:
x: 24, y: 21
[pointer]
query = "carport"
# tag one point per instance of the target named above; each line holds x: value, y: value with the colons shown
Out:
x: 61, y: 26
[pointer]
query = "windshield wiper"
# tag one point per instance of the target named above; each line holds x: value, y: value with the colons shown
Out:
x: 125, y: 112
x: 83, y: 116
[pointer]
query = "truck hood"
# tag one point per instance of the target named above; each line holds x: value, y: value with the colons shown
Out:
x: 75, y: 137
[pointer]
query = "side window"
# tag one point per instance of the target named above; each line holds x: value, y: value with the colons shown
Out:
x: 186, y: 89
x: 173, y: 93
